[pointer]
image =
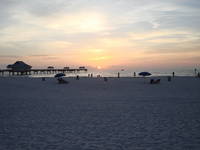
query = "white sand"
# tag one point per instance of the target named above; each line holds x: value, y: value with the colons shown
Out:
x: 90, y: 114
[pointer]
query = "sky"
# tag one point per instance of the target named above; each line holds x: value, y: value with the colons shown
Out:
x: 102, y: 34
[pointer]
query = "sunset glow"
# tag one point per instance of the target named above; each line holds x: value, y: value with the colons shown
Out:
x: 98, y: 67
x: 101, y: 34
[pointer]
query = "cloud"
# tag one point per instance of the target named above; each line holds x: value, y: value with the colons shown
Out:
x: 38, y: 55
x: 163, y: 37
x: 45, y: 8
x: 9, y: 56
x: 64, y: 29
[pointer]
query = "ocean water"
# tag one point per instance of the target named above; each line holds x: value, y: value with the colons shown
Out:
x: 124, y: 73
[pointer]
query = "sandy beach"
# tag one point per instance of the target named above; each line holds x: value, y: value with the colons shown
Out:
x: 90, y: 114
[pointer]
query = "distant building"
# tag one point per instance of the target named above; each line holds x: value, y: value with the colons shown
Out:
x: 50, y: 68
x: 19, y: 66
x: 82, y: 67
x: 66, y: 68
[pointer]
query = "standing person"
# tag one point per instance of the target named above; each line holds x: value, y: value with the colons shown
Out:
x: 198, y: 75
x: 105, y: 79
x: 195, y: 72
x: 118, y: 75
x: 173, y: 74
x: 134, y: 74
x: 169, y: 78
x: 77, y: 77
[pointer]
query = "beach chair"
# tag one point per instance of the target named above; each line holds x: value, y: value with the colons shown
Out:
x: 157, y: 81
x: 152, y: 81
x: 62, y: 81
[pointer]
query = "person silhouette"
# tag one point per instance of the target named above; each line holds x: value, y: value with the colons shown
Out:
x: 77, y: 77
x: 118, y: 75
x: 134, y: 74
x: 195, y: 71
x: 105, y: 79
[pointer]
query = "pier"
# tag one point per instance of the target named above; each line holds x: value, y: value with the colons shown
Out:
x: 40, y: 71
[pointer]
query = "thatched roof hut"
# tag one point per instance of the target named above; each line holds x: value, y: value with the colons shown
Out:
x: 19, y: 66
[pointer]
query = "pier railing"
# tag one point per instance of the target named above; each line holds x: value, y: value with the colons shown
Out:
x: 40, y: 71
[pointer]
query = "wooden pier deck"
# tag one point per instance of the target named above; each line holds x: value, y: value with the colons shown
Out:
x: 40, y: 71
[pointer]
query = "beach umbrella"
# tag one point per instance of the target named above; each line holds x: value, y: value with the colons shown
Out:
x: 58, y: 75
x: 144, y: 74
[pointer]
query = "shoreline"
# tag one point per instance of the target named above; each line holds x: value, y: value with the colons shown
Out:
x: 84, y: 76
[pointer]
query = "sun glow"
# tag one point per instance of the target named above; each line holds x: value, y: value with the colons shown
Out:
x: 99, y: 67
